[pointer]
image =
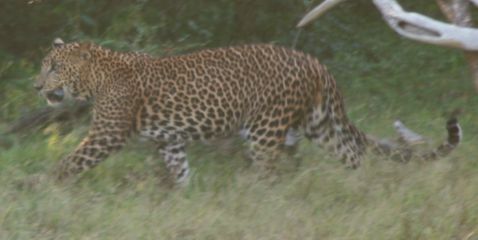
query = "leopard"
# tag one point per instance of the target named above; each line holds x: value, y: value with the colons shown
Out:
x: 270, y: 95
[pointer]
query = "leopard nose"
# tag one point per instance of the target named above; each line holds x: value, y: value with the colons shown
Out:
x: 38, y: 87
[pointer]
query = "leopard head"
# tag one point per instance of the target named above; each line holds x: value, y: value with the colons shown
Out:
x: 62, y: 73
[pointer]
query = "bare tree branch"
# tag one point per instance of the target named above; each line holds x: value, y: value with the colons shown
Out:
x: 46, y: 115
x: 318, y: 11
x: 421, y: 28
x: 457, y: 11
x: 407, y: 135
x: 411, y: 25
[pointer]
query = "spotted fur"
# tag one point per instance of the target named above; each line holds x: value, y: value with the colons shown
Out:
x: 267, y: 93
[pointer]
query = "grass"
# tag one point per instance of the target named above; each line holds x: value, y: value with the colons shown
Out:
x: 126, y: 198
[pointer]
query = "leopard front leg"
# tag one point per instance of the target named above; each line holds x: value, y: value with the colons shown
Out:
x: 108, y: 133
x: 174, y: 155
x: 91, y: 151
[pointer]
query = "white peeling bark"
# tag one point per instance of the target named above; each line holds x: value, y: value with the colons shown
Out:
x: 424, y: 29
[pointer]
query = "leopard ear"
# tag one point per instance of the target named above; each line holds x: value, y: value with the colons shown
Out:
x: 58, y: 43
x: 82, y: 53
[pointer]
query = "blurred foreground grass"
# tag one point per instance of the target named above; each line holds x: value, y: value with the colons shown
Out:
x: 125, y: 199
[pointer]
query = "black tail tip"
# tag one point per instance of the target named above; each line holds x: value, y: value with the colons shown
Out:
x: 454, y: 131
x: 452, y: 123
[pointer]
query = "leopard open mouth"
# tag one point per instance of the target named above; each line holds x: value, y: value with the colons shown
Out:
x: 55, y: 96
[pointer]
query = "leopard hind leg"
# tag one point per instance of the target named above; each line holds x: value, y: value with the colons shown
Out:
x: 328, y: 127
x: 174, y: 156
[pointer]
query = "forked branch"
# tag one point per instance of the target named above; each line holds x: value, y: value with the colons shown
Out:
x: 411, y: 25
x: 421, y: 28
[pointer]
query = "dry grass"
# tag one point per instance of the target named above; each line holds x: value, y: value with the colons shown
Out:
x: 125, y: 199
